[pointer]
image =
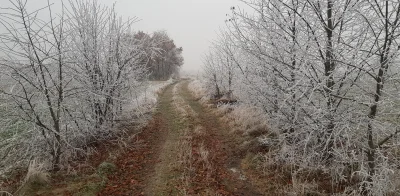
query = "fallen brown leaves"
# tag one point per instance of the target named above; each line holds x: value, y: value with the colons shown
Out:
x: 136, y: 164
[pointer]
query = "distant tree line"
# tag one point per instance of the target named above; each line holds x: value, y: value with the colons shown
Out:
x: 165, y: 61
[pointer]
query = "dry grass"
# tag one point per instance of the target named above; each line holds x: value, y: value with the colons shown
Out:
x: 200, y: 93
x: 244, y: 119
x: 36, y: 177
x: 302, y: 187
x: 193, y: 129
x: 199, y: 130
x: 252, y: 127
x: 205, y: 157
x: 197, y: 89
x: 185, y: 161
x: 5, y: 193
x: 183, y: 109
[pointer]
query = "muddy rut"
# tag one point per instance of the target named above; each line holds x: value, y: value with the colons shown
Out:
x: 184, y: 150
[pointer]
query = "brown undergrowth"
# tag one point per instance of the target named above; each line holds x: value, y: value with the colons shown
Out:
x: 244, y: 129
x: 216, y: 155
x: 184, y: 150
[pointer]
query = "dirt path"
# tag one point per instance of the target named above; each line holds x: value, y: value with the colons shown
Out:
x: 184, y: 150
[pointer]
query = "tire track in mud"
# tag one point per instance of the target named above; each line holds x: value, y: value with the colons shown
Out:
x: 222, y: 151
x: 140, y: 170
x: 182, y: 151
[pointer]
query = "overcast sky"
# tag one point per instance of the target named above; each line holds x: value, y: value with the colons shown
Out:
x: 191, y: 23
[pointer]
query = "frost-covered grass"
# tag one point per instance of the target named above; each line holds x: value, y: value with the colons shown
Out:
x: 251, y: 124
x: 241, y: 117
x: 20, y: 143
x: 188, y: 143
x: 245, y: 118
x: 36, y: 176
x: 145, y: 98
x: 199, y: 91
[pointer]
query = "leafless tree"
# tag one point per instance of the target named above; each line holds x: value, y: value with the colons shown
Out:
x: 66, y: 81
x: 318, y: 69
x: 34, y: 72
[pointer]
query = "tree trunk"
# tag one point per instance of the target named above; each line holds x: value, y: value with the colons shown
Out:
x: 218, y: 93
x: 329, y: 68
